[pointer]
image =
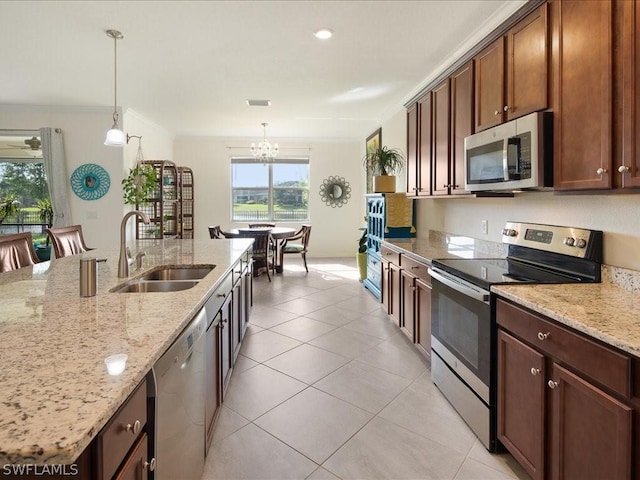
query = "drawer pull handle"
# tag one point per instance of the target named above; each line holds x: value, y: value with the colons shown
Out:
x: 135, y: 428
x: 221, y: 295
x: 415, y: 268
x: 535, y: 371
x: 151, y: 465
x: 543, y: 336
x: 552, y: 384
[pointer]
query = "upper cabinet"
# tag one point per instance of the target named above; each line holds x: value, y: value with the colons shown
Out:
x: 419, y: 147
x: 440, y: 138
x: 462, y: 124
x: 511, y: 74
x: 583, y: 94
x: 627, y: 171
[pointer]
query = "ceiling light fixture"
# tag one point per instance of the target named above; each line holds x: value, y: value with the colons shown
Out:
x: 115, y: 136
x: 323, y: 33
x: 264, y: 152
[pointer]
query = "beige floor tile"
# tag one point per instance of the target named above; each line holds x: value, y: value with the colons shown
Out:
x: 252, y: 328
x: 297, y: 290
x: 303, y: 328
x: 267, y: 317
x: 346, y: 342
x: 432, y: 417
x: 330, y: 296
x: 382, y: 450
x: 361, y: 304
x: 265, y: 345
x: 307, y: 363
x: 314, y: 423
x: 227, y: 423
x: 394, y: 359
x: 362, y: 385
x: 300, y: 306
x: 243, y: 363
x: 474, y: 470
x: 322, y: 474
x: 376, y: 326
x: 268, y: 296
x: 251, y: 453
x: 502, y: 462
x: 334, y: 316
x: 259, y: 389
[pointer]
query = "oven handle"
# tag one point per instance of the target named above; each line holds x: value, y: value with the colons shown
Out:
x: 480, y: 295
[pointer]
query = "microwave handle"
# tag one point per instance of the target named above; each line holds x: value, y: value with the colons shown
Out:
x: 505, y: 159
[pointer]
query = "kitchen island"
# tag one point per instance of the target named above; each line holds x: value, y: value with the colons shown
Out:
x: 56, y: 391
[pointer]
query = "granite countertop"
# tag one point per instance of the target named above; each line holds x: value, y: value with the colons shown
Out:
x: 56, y: 392
x: 605, y: 311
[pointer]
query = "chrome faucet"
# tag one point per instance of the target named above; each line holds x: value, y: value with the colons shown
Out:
x: 123, y: 261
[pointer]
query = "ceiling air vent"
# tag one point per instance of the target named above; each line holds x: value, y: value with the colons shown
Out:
x: 259, y: 103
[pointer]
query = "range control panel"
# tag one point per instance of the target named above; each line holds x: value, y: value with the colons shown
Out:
x: 577, y: 242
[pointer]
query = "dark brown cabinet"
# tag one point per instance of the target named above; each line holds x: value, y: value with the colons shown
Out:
x: 564, y: 401
x: 583, y: 94
x: 213, y: 397
x: 413, y: 166
x: 419, y: 147
x: 511, y: 74
x: 408, y: 289
x: 461, y: 124
x: 441, y: 123
x: 627, y: 170
x: 395, y: 293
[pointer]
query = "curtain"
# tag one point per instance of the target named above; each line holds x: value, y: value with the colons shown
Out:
x: 55, y: 167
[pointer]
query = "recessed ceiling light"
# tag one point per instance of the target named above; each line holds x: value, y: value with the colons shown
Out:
x: 259, y: 103
x: 323, y: 33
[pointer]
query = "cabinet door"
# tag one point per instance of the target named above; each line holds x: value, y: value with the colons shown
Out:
x: 627, y: 171
x: 224, y: 346
x: 461, y: 123
x: 591, y: 433
x: 408, y: 289
x: 236, y: 318
x: 384, y: 286
x: 521, y: 389
x: 212, y: 381
x: 489, y: 85
x: 582, y: 60
x: 424, y: 145
x: 412, y: 150
x: 440, y: 139
x: 423, y: 317
x: 136, y: 466
x: 394, y: 293
x: 527, y: 65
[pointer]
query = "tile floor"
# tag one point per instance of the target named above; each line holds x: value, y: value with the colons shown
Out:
x: 327, y: 387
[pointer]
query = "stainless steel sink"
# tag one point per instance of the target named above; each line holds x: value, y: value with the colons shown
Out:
x: 144, y: 286
x: 178, y: 272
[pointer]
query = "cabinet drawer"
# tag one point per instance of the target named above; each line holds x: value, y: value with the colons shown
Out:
x: 137, y: 465
x: 390, y: 255
x: 416, y: 268
x: 604, y: 365
x: 115, y: 440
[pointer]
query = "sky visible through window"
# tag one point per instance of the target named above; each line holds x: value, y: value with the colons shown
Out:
x: 257, y: 174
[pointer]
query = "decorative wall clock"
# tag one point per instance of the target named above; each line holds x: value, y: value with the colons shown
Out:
x: 335, y: 191
x: 90, y: 181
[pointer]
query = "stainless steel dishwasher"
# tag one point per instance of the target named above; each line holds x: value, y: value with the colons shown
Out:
x: 179, y: 379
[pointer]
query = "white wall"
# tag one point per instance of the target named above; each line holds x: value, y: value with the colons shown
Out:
x: 84, y: 130
x: 616, y: 215
x: 335, y: 230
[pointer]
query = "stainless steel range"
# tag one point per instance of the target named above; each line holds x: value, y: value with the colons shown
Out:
x: 463, y: 325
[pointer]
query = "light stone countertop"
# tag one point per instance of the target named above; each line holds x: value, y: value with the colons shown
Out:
x: 56, y: 393
x: 605, y: 311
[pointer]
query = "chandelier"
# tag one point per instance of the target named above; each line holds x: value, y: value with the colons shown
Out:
x: 264, y: 152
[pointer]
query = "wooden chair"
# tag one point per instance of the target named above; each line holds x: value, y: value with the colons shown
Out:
x: 264, y: 249
x: 260, y: 225
x: 215, y: 232
x: 16, y: 251
x: 300, y: 248
x: 67, y: 240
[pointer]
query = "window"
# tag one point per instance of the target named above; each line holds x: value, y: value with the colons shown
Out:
x: 277, y: 191
x: 24, y: 195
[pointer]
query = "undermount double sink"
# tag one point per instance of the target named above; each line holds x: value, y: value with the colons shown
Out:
x: 166, y: 278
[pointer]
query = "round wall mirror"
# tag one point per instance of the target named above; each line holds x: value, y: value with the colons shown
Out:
x: 335, y: 191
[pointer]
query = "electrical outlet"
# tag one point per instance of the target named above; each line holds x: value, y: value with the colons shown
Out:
x: 485, y: 227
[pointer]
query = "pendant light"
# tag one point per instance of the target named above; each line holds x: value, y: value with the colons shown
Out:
x: 115, y: 136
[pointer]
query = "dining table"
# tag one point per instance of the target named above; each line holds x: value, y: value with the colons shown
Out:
x: 278, y: 234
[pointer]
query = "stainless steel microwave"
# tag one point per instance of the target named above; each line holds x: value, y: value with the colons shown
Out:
x: 513, y: 156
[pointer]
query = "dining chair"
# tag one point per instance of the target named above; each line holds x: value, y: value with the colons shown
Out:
x: 300, y: 248
x: 67, y: 240
x: 264, y: 249
x: 16, y: 251
x: 214, y: 231
x: 260, y: 225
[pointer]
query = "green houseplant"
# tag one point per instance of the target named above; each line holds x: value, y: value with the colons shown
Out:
x: 384, y: 163
x: 45, y: 211
x: 9, y: 207
x: 361, y: 257
x: 138, y: 186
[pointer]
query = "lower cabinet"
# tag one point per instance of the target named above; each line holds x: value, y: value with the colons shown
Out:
x: 213, y: 386
x: 564, y: 401
x: 406, y: 296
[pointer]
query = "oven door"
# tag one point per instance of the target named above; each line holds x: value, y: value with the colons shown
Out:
x: 461, y: 330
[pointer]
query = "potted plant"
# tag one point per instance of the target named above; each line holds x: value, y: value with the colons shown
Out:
x: 9, y: 207
x: 361, y: 257
x: 384, y: 163
x: 45, y: 209
x: 139, y: 185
